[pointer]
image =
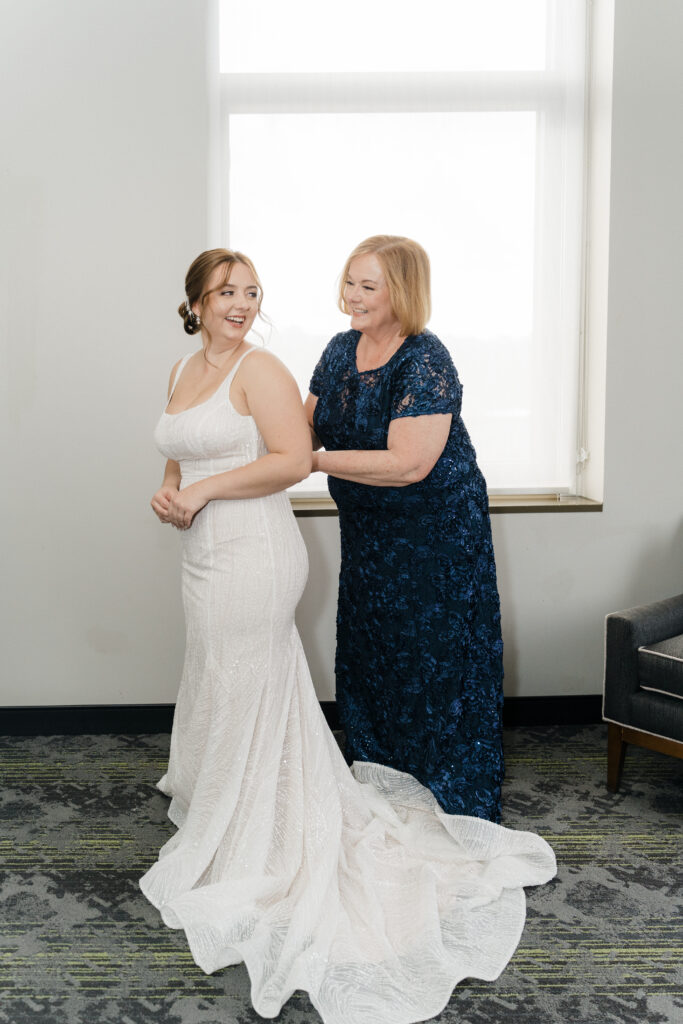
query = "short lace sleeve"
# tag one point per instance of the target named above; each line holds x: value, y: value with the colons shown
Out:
x: 321, y: 372
x: 427, y: 384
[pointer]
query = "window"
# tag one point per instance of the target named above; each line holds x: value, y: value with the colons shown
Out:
x: 459, y: 124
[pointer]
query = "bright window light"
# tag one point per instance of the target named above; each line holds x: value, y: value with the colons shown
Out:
x: 484, y: 169
x: 302, y: 36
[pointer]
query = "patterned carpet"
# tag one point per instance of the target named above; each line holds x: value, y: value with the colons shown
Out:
x: 80, y: 945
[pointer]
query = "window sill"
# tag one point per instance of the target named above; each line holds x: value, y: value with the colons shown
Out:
x: 324, y: 506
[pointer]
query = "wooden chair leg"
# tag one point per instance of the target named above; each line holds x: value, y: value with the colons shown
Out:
x: 616, y: 751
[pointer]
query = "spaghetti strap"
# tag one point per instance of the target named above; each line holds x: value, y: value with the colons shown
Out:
x: 181, y: 367
x: 237, y: 364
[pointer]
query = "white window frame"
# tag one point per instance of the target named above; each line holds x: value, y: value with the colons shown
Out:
x: 542, y: 91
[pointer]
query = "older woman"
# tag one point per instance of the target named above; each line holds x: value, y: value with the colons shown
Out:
x: 419, y: 649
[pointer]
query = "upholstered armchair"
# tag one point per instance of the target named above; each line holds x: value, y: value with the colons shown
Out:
x: 643, y: 693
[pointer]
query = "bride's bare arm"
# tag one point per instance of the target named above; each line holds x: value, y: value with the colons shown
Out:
x: 272, y: 398
x: 169, y: 487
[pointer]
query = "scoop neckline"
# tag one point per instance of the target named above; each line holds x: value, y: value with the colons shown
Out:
x: 213, y: 393
x: 361, y: 373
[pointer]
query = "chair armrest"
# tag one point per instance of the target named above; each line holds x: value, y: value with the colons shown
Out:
x: 625, y: 632
x: 650, y: 623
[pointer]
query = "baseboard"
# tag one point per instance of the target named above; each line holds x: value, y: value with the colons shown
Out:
x: 574, y: 709
x: 87, y: 719
x: 98, y: 719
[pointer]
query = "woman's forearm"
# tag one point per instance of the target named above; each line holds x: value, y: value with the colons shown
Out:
x: 267, y: 475
x: 383, y: 468
x: 171, y: 475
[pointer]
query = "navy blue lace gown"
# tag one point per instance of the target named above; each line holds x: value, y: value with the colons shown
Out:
x: 419, y: 648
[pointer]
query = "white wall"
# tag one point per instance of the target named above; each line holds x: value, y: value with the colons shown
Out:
x: 561, y: 574
x: 104, y: 204
x: 104, y: 137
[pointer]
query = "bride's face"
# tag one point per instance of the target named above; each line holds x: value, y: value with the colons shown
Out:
x: 230, y: 307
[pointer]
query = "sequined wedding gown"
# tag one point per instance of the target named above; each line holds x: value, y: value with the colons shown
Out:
x: 353, y: 886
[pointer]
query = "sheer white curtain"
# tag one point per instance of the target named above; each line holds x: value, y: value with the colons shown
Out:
x: 458, y: 124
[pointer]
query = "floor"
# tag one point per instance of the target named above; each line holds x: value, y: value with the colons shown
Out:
x: 81, y: 821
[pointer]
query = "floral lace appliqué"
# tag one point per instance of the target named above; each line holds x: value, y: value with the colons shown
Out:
x: 419, y: 649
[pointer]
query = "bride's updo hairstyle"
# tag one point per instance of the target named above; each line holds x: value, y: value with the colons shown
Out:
x: 198, y: 276
x: 406, y: 270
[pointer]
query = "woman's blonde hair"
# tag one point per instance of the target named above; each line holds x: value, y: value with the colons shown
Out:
x: 198, y: 276
x: 406, y: 269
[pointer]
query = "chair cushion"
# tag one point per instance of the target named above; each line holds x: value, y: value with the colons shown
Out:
x: 660, y: 666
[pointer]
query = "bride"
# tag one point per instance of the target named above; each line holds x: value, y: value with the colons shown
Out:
x: 350, y: 884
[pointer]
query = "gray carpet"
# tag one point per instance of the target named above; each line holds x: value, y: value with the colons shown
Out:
x: 81, y: 821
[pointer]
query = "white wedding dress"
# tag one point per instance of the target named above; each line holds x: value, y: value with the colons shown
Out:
x: 349, y: 884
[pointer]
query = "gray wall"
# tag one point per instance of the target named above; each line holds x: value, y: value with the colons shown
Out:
x: 104, y: 201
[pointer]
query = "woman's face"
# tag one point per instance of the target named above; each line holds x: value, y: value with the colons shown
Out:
x: 367, y: 297
x: 229, y: 309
